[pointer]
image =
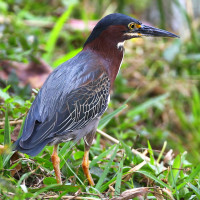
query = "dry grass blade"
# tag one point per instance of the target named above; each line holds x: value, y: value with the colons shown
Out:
x: 134, y: 169
x: 129, y: 194
x: 169, y: 193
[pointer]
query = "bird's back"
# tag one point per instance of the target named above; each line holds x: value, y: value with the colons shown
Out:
x: 73, y: 95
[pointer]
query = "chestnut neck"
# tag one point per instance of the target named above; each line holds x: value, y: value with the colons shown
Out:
x: 109, y: 52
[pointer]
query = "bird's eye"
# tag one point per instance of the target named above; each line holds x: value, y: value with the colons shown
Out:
x: 131, y: 26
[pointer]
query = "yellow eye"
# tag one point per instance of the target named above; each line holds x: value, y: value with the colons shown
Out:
x: 131, y: 26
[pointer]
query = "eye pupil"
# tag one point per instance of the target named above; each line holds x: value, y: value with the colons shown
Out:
x: 131, y: 26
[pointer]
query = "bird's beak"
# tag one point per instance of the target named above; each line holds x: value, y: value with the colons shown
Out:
x: 149, y: 31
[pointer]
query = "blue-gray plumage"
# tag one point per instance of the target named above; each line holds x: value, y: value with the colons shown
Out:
x: 62, y: 107
x: 75, y: 95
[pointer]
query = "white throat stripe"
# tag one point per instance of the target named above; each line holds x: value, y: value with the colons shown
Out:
x: 120, y: 45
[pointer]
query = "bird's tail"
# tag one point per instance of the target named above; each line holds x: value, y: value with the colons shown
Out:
x: 32, y: 151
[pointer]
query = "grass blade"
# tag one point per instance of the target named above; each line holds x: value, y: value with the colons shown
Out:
x: 119, y: 178
x: 152, y: 160
x: 153, y: 178
x: 174, y: 172
x: 105, y: 120
x: 128, y: 151
x: 65, y: 152
x: 55, y: 32
x: 100, y: 156
x: 66, y: 57
x: 22, y: 126
x: 162, y: 152
x: 106, y: 170
x: 6, y: 160
x: 7, y: 141
x: 147, y: 104
x: 190, y: 177
x: 195, y: 189
x: 75, y: 174
x: 7, y: 138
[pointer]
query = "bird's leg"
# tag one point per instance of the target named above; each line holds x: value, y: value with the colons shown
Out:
x: 56, y: 164
x: 85, y: 164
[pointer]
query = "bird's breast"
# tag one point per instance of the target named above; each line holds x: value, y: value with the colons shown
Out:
x: 114, y: 64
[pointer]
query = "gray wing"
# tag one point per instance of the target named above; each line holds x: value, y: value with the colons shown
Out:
x: 65, y: 113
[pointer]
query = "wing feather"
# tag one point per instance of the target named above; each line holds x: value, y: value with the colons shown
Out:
x: 58, y: 111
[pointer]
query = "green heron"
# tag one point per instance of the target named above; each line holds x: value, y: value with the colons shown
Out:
x: 76, y: 94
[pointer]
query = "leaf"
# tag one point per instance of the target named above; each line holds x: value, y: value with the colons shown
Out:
x: 174, y: 171
x: 106, y: 170
x: 49, y: 181
x: 4, y: 95
x: 78, y: 155
x: 154, y: 178
x: 106, y: 185
x: 128, y: 151
x: 190, y: 177
x: 44, y: 162
x: 151, y: 153
x: 100, y: 156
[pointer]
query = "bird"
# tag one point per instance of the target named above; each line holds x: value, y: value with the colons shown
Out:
x: 75, y: 95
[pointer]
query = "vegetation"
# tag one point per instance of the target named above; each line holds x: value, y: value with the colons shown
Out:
x: 153, y: 118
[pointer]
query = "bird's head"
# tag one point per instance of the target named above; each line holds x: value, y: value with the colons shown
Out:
x: 119, y: 27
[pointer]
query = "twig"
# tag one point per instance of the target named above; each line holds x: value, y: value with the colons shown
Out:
x: 147, y: 159
x: 12, y: 122
x: 108, y: 136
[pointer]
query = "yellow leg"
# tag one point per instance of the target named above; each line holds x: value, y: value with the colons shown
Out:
x: 56, y: 164
x: 85, y: 166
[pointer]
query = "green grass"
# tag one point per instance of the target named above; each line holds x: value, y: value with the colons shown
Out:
x: 110, y: 167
